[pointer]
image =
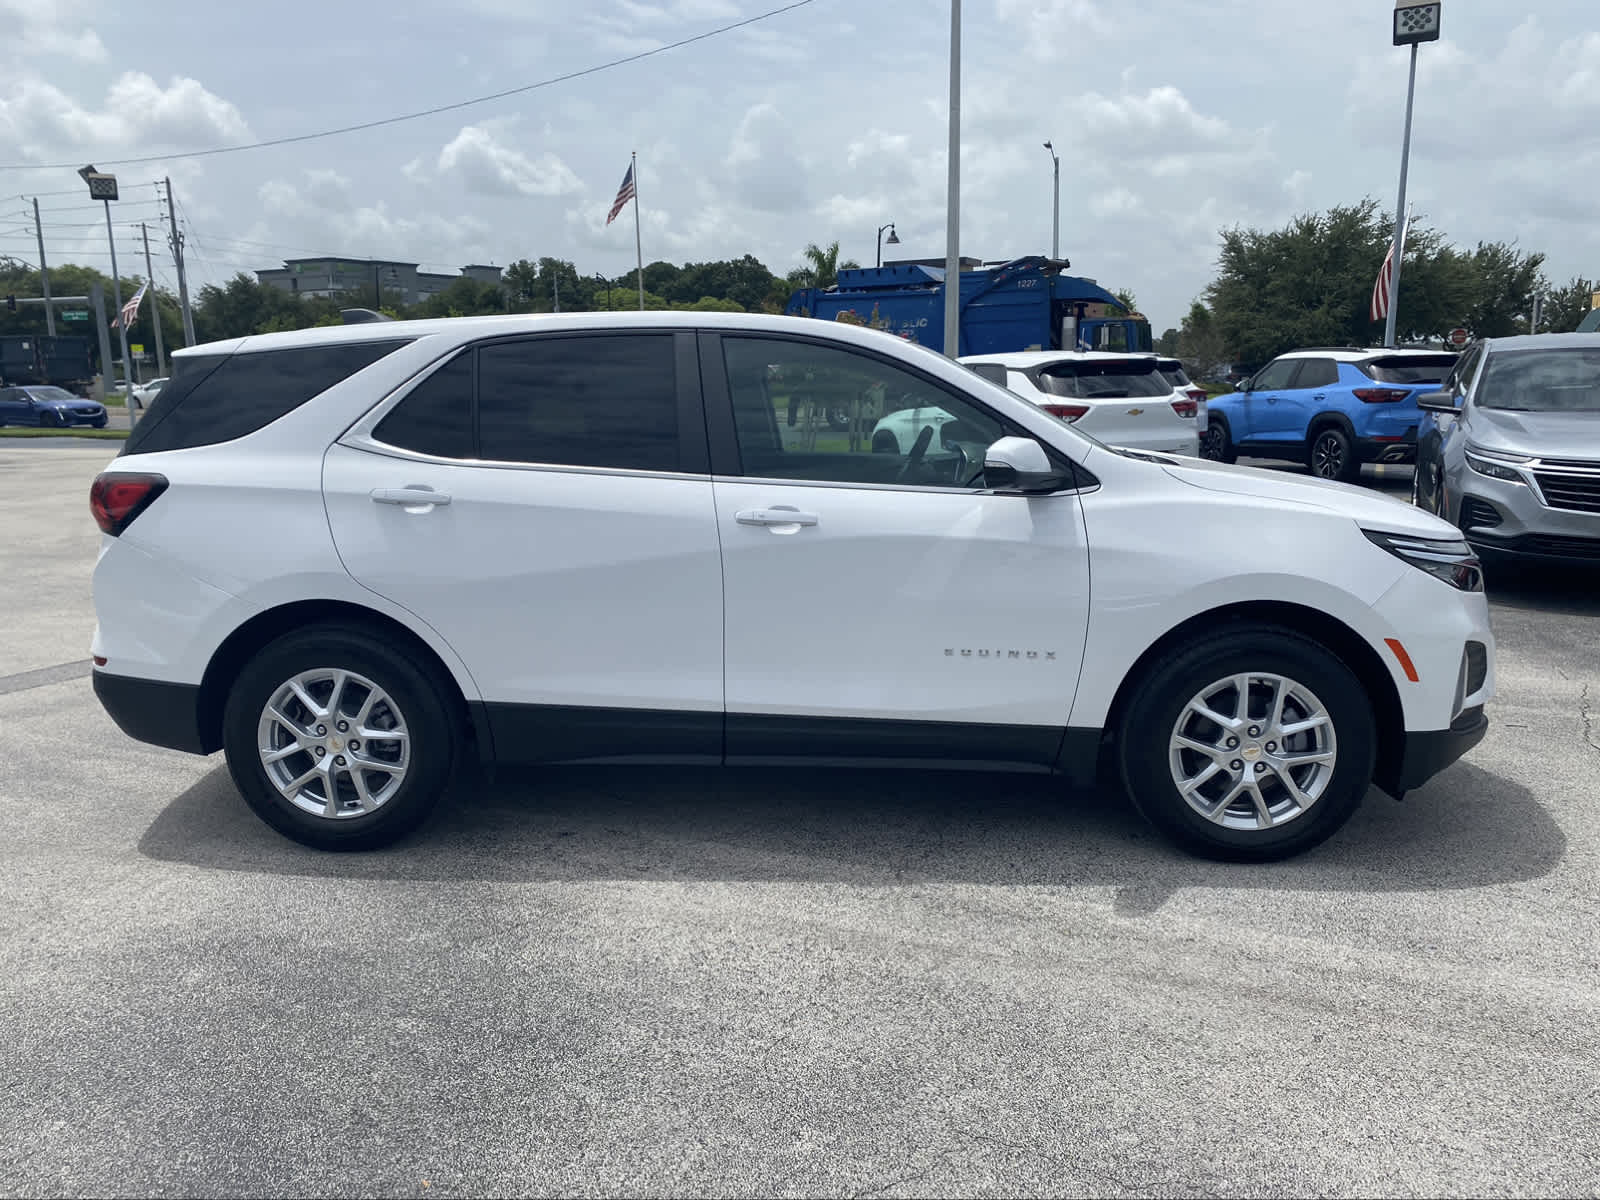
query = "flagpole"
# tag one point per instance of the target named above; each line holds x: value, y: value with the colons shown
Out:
x: 638, y: 244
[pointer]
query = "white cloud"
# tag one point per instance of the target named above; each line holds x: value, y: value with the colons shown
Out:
x: 489, y: 166
x: 49, y: 29
x: 39, y: 120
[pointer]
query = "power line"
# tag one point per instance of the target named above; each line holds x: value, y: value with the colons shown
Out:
x: 79, y: 191
x: 427, y: 112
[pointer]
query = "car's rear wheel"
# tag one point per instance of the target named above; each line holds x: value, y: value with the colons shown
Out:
x: 1216, y: 443
x: 338, y: 741
x: 1332, y: 456
x: 838, y: 417
x: 1251, y: 745
x: 884, y: 442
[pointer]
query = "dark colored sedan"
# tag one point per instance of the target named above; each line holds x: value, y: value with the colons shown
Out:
x: 41, y: 404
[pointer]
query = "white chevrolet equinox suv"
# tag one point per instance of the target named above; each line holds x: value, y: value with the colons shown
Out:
x: 353, y: 557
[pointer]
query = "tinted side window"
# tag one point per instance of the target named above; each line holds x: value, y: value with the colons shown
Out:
x: 436, y: 415
x: 215, y: 398
x: 1317, y: 372
x: 601, y: 401
x: 1276, y: 375
x: 827, y: 414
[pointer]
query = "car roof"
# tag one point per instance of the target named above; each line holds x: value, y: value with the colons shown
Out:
x: 1544, y: 341
x: 464, y: 329
x: 1351, y: 354
x: 1024, y: 359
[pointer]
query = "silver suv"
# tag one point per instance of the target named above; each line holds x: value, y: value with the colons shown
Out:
x: 1510, y: 450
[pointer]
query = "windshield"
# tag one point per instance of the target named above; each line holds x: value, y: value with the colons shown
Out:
x: 1410, y: 368
x: 1555, y: 380
x: 53, y: 394
x: 1110, y: 380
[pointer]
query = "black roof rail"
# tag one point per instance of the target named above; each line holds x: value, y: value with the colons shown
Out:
x: 1313, y: 349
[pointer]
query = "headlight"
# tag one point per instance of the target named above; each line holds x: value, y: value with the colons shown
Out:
x: 1452, y: 561
x: 1494, y: 470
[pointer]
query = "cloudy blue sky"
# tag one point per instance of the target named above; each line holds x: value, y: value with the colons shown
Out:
x: 1174, y: 118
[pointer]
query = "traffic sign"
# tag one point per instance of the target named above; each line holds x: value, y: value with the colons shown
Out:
x: 74, y: 314
x: 1459, y: 337
x: 137, y: 348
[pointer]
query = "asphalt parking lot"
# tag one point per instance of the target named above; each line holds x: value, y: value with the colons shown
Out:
x: 692, y: 982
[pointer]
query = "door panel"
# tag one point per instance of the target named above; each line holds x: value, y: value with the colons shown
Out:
x: 902, y: 605
x: 554, y: 587
x: 1267, y: 422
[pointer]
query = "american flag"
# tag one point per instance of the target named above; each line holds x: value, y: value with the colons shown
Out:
x: 131, y: 308
x: 1383, y: 289
x: 624, y: 194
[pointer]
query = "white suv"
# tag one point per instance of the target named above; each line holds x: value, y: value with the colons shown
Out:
x: 351, y: 557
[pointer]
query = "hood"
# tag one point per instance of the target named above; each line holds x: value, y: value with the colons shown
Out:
x: 1562, y: 434
x: 1370, y: 510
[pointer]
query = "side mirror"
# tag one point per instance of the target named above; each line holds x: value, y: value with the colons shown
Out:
x: 1242, y: 386
x: 1444, y: 402
x: 1016, y: 464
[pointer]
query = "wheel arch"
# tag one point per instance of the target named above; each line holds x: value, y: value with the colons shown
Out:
x: 1325, y: 418
x: 240, y: 646
x: 1328, y: 631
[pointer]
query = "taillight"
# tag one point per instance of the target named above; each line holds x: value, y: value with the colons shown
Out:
x: 116, y: 499
x: 1186, y: 408
x: 1197, y: 394
x: 1381, y: 395
x: 1067, y: 412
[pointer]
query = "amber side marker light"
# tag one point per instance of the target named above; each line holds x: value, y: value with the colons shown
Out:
x: 1402, y: 658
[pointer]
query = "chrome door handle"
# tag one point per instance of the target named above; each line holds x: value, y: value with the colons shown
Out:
x: 774, y: 516
x: 410, y: 497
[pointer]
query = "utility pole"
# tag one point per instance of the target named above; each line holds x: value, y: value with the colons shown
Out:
x: 44, y: 274
x: 177, y: 259
x: 155, y: 301
x: 97, y: 301
x: 555, y: 284
x: 952, y: 217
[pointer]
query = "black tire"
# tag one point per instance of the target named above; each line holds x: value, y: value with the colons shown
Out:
x: 49, y: 420
x: 429, y: 713
x: 884, y: 442
x: 1216, y: 443
x: 1331, y: 455
x: 838, y: 417
x: 100, y: 424
x: 1144, y: 736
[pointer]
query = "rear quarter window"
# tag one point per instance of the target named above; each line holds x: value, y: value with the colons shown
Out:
x: 216, y: 398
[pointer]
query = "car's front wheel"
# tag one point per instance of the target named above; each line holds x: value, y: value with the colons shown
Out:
x: 1250, y: 745
x: 49, y: 420
x: 338, y: 741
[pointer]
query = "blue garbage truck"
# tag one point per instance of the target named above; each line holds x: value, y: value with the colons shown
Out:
x: 1027, y: 303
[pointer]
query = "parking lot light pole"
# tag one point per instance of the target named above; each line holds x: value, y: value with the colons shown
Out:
x: 1414, y: 23
x: 894, y: 240
x: 104, y: 187
x: 952, y: 211
x: 1055, y: 206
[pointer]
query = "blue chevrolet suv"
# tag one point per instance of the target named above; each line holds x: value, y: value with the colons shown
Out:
x: 1332, y: 409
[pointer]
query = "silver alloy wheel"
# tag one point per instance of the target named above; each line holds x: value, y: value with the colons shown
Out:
x: 1253, y: 751
x: 333, y: 743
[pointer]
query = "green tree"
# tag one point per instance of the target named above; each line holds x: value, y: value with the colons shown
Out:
x: 463, y: 297
x: 1167, y: 343
x: 1505, y: 282
x: 1200, y: 344
x: 1565, y: 306
x: 823, y: 265
x: 1126, y: 298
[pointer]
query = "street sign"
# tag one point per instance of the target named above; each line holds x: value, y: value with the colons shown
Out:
x: 137, y: 348
x: 74, y: 314
x: 1459, y: 337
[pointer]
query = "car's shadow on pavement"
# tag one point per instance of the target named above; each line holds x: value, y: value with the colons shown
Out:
x: 1572, y: 589
x: 1466, y: 829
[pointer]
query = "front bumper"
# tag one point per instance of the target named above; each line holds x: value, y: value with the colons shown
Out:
x: 1428, y: 752
x: 149, y: 710
x: 1509, y: 518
